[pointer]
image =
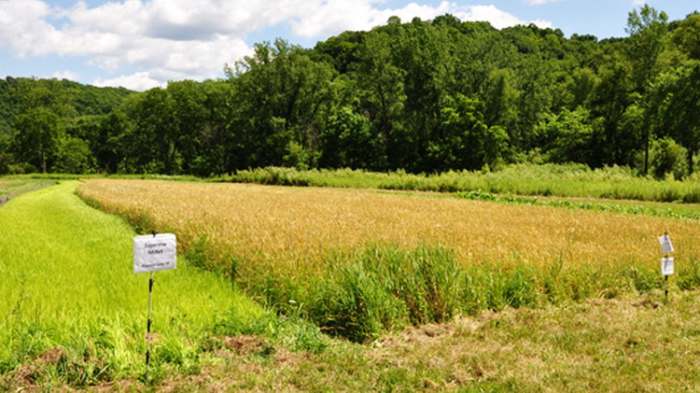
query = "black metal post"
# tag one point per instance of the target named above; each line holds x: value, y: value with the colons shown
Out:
x: 149, y: 322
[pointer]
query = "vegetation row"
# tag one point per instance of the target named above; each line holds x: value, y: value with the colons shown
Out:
x: 572, y: 180
x: 367, y: 274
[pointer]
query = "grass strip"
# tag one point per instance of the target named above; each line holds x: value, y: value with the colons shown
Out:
x: 570, y: 180
x: 640, y: 208
x: 75, y: 313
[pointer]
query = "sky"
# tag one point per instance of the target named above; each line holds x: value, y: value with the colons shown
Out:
x: 140, y: 44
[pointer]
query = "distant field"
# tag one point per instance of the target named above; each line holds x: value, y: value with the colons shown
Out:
x: 358, y: 262
x: 545, y: 180
x: 12, y: 187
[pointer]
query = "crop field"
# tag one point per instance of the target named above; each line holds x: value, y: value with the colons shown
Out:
x: 505, y: 294
x: 359, y: 262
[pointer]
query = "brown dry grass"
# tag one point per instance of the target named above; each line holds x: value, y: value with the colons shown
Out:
x: 294, y: 228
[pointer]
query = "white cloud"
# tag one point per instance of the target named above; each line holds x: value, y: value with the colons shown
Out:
x: 118, y: 34
x: 319, y: 18
x: 139, y: 81
x: 70, y: 75
x: 331, y: 17
x: 540, y: 2
x: 498, y: 18
x: 175, y: 39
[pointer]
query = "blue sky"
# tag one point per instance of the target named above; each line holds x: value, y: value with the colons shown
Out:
x: 144, y: 43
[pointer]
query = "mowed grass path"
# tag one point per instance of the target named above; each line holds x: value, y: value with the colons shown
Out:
x: 68, y: 288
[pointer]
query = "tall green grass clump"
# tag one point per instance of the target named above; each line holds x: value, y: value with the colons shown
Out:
x: 386, y: 288
x: 313, y: 177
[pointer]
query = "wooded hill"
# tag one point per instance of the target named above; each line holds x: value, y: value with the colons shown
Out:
x: 423, y: 96
x: 40, y: 121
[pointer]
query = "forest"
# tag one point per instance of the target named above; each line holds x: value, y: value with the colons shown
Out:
x: 421, y: 96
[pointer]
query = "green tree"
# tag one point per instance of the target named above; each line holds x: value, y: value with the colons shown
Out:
x: 687, y: 36
x: 280, y: 93
x: 152, y: 142
x: 464, y: 140
x: 6, y: 157
x: 667, y: 156
x: 73, y: 155
x: 501, y: 98
x: 611, y: 98
x: 647, y: 28
x: 567, y: 136
x: 110, y: 145
x: 381, y: 94
x: 678, y: 98
x: 348, y: 141
x: 37, y: 136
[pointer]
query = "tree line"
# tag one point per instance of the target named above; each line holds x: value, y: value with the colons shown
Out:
x: 424, y: 96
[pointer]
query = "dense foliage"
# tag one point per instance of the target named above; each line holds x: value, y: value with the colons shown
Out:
x: 52, y: 125
x: 424, y: 96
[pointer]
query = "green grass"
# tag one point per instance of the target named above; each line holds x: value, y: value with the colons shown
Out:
x: 546, y: 180
x: 656, y: 209
x: 568, y: 180
x: 68, y: 294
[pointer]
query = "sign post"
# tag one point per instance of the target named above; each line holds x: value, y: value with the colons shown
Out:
x: 153, y: 253
x: 149, y: 321
x: 667, y: 260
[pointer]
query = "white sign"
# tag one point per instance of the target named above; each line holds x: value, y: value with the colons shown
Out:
x: 667, y: 266
x: 155, y: 253
x: 666, y: 246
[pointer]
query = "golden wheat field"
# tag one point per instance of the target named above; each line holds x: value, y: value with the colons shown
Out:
x: 294, y: 228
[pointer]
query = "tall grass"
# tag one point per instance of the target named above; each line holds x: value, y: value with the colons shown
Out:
x: 571, y: 180
x: 382, y: 288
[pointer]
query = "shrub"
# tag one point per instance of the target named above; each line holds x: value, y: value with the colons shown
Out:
x: 667, y: 157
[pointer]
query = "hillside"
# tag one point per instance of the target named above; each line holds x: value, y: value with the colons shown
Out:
x: 70, y: 99
x: 40, y: 122
x: 423, y: 96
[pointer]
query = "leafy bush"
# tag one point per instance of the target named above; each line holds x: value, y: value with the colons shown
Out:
x: 667, y: 157
x: 274, y: 176
x: 73, y: 156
